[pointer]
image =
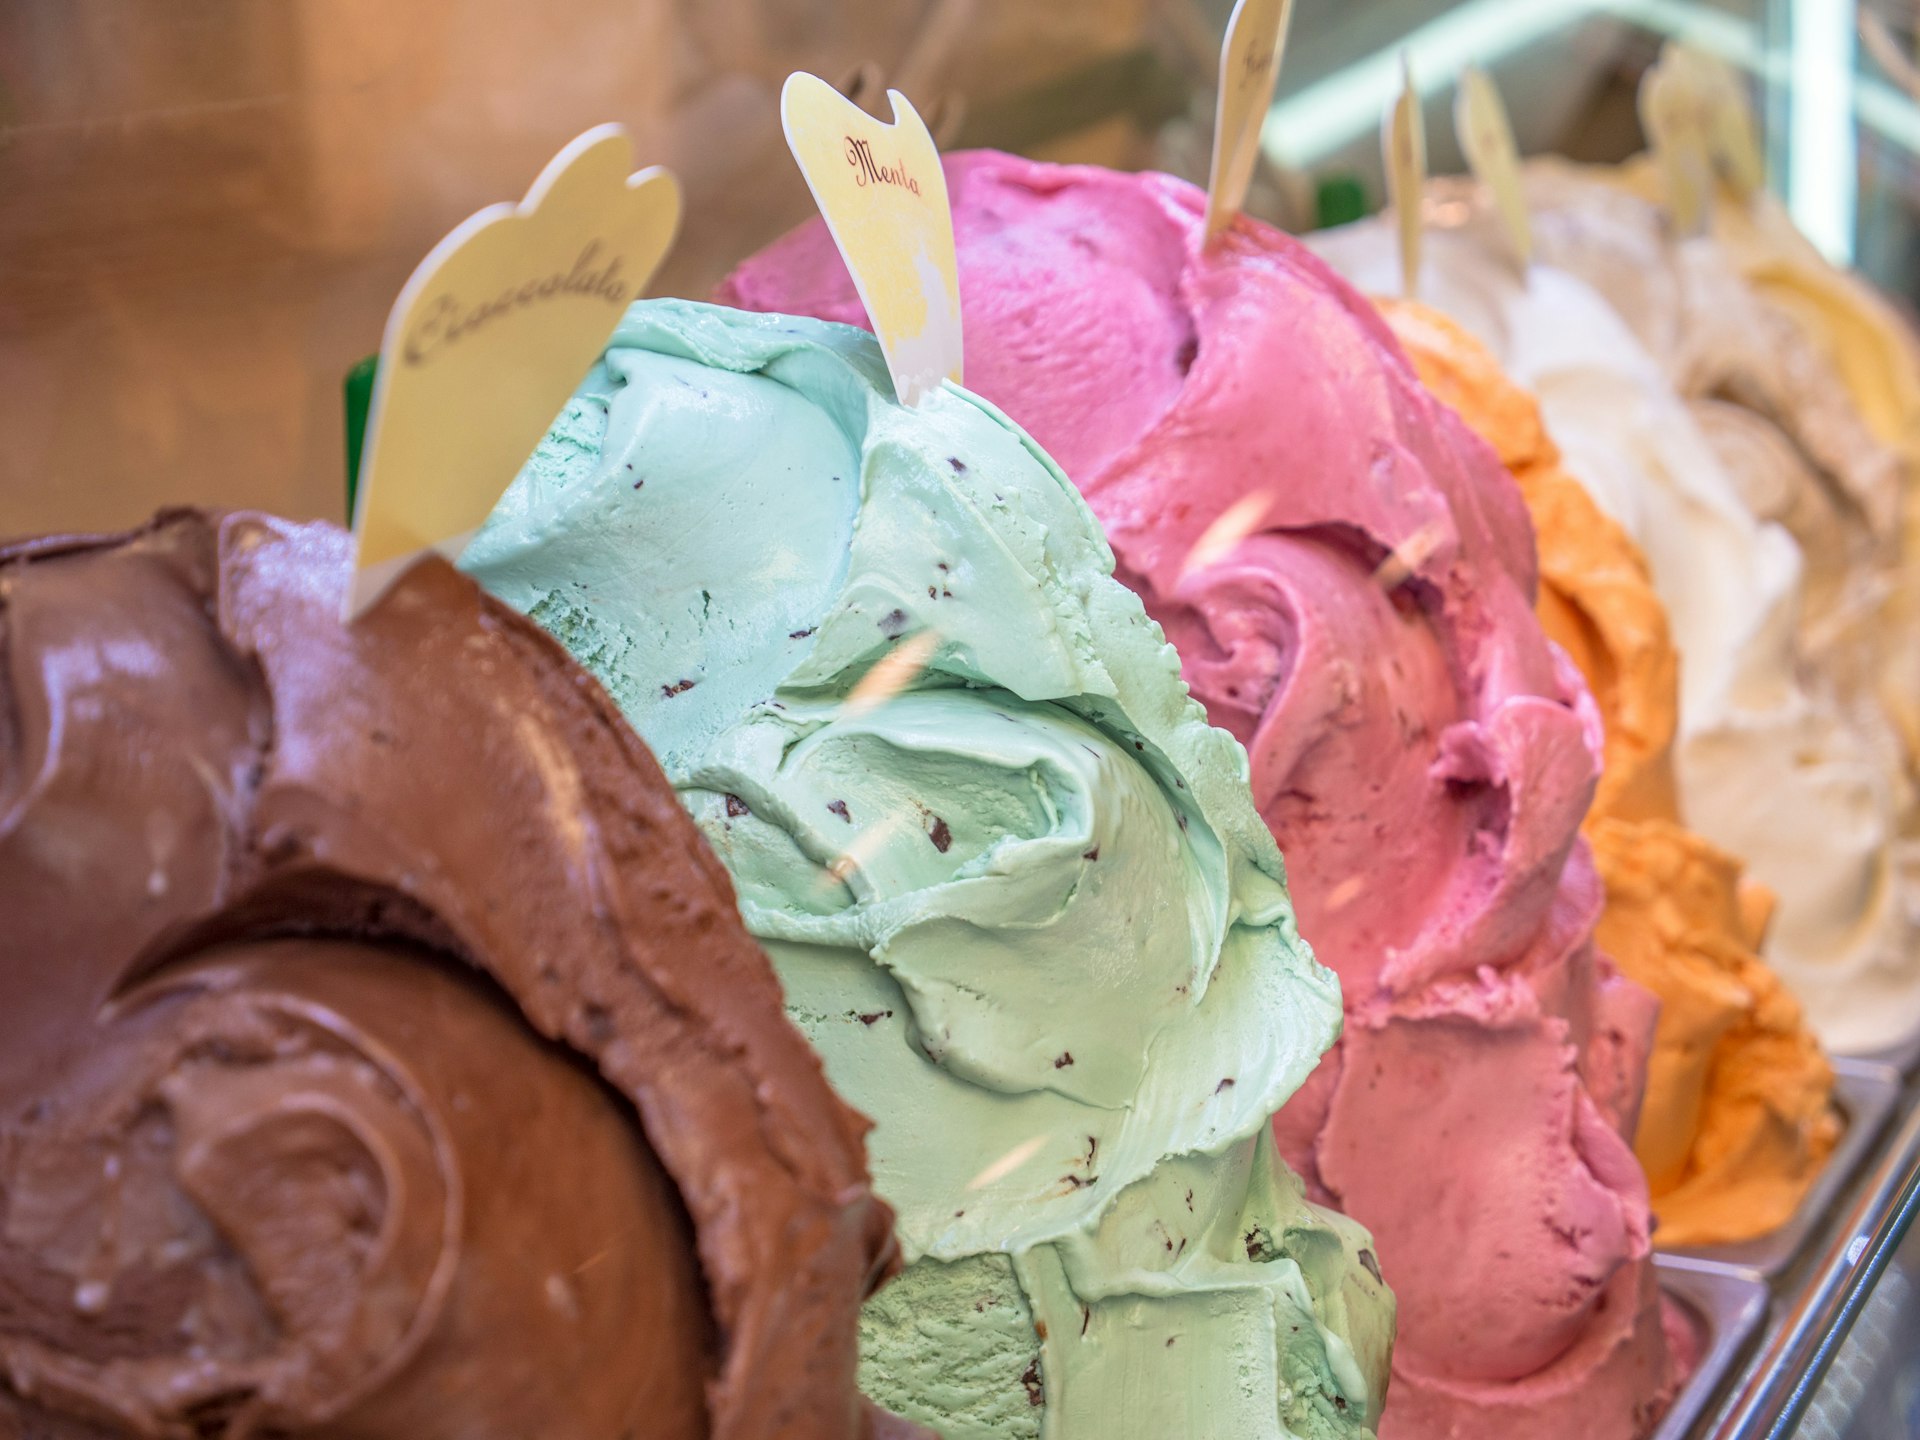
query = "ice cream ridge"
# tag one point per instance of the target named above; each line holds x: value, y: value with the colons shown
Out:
x: 1780, y: 414
x: 1787, y: 756
x: 1858, y: 335
x: 1348, y: 575
x: 1010, y: 878
x: 1738, y: 1114
x: 380, y: 1050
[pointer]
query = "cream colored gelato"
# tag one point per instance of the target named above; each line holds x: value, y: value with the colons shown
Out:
x: 1774, y: 762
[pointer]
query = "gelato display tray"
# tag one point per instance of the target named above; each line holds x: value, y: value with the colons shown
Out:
x: 1728, y: 1304
x: 1867, y: 1095
x: 1841, y: 1360
x: 1903, y: 1057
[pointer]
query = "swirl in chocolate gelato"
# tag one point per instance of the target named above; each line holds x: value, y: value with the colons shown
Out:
x: 380, y: 1051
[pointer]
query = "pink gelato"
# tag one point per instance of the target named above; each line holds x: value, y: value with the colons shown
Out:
x: 1349, y: 576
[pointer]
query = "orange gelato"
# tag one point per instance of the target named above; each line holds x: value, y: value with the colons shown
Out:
x: 1738, y: 1117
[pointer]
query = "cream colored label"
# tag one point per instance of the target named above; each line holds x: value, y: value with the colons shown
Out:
x: 884, y: 197
x: 1486, y: 138
x: 1733, y: 139
x: 489, y: 338
x: 1249, y: 65
x: 1404, y: 141
x: 1673, y: 114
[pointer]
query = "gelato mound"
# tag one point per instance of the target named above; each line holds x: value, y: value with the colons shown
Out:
x: 1009, y: 876
x: 1738, y: 1117
x: 1781, y: 758
x: 380, y: 1052
x: 1348, y: 575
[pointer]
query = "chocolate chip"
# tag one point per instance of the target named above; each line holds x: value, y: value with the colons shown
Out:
x: 1036, y: 1391
x: 1066, y: 1059
x: 1093, y: 854
x: 959, y: 465
x: 736, y: 806
x: 893, y: 624
x: 598, y: 1021
x: 672, y: 690
x: 801, y: 634
x: 1226, y: 1084
x: 1370, y: 1265
x: 873, y: 1017
x: 839, y: 807
x: 941, y: 836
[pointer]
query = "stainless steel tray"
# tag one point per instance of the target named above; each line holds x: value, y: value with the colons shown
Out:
x: 1867, y: 1095
x: 1903, y: 1056
x: 1778, y: 1387
x: 1731, y: 1305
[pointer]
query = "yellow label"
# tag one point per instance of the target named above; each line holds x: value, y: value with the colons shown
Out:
x: 1486, y: 138
x: 1673, y: 114
x: 1404, y: 139
x: 1249, y: 64
x: 487, y: 341
x: 1733, y: 140
x: 884, y: 197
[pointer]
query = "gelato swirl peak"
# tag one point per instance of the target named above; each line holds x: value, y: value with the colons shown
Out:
x: 1348, y: 576
x: 1008, y: 874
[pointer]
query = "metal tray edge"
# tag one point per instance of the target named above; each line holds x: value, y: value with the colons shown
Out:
x: 1902, y: 1055
x: 1732, y: 1301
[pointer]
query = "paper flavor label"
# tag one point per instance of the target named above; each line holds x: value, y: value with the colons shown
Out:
x: 1673, y: 113
x: 884, y: 197
x: 1404, y: 140
x: 1249, y: 65
x: 490, y: 336
x: 1701, y: 129
x: 1486, y: 138
x: 1733, y: 139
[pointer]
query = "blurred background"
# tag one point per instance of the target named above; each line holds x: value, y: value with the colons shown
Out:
x: 206, y: 209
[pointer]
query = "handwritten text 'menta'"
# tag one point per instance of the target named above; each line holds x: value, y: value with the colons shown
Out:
x: 868, y: 171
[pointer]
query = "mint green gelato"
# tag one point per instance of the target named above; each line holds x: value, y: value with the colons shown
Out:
x: 1024, y: 908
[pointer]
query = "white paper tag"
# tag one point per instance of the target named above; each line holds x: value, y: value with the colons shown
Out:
x: 488, y: 339
x: 1249, y: 65
x: 884, y: 197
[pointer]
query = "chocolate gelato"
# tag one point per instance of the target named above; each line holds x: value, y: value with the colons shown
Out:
x: 380, y: 1052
